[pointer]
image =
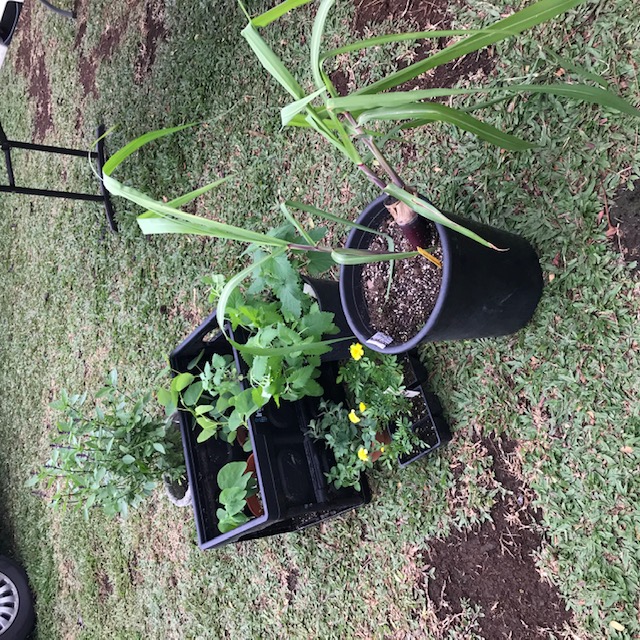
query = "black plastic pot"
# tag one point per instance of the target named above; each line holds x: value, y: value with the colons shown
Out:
x: 290, y: 466
x: 484, y: 293
x: 430, y: 426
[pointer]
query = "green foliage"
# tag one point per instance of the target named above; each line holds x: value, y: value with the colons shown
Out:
x: 236, y: 485
x: 414, y: 109
x: 375, y: 385
x: 112, y: 458
x: 285, y: 331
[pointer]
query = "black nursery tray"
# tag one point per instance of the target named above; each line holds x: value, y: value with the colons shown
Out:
x: 290, y: 466
x: 431, y: 427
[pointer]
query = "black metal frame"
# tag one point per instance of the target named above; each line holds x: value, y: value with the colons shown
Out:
x: 98, y: 155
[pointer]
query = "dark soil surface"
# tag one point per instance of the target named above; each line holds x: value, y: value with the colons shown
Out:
x: 424, y: 15
x: 493, y: 566
x: 30, y: 63
x: 414, y: 287
x: 625, y: 212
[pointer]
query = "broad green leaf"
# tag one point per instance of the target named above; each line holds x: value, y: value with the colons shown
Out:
x: 122, y: 154
x: 231, y: 475
x: 194, y: 361
x: 277, y: 12
x: 430, y: 212
x: 182, y: 381
x: 159, y: 447
x: 316, y: 40
x: 360, y: 256
x: 534, y: 14
x: 192, y: 394
x: 422, y: 113
x: 271, y: 62
x: 229, y: 288
x: 294, y: 108
x: 128, y: 459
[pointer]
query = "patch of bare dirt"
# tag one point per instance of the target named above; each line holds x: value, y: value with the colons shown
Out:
x: 494, y: 567
x: 625, y: 214
x: 89, y: 61
x: 424, y: 15
x: 153, y: 31
x: 30, y: 63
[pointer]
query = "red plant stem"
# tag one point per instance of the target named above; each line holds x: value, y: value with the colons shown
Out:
x: 377, y: 153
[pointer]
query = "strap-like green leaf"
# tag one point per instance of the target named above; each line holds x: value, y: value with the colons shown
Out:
x: 196, y: 224
x: 360, y: 256
x: 396, y: 37
x: 423, y: 208
x: 294, y: 108
x: 122, y: 154
x: 277, y: 12
x: 422, y: 113
x: 298, y: 227
x: 316, y: 40
x: 271, y: 62
x: 530, y: 16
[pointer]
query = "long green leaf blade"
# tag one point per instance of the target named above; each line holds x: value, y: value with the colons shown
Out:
x: 198, y: 225
x: 530, y: 16
x: 298, y: 227
x: 271, y: 62
x: 122, y: 154
x: 294, y: 108
x: 396, y: 37
x: 276, y: 12
x: 316, y: 40
x: 430, y: 212
x: 430, y: 112
x: 360, y: 256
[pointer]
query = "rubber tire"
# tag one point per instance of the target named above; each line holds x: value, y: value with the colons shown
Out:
x: 24, y: 621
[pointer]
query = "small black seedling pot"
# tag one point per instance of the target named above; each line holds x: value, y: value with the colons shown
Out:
x: 290, y: 466
x: 484, y: 293
x: 430, y: 426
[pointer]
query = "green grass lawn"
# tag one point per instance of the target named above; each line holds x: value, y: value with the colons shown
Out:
x: 76, y: 300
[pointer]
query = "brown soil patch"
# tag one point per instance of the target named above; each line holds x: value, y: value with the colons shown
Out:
x: 414, y: 287
x: 153, y: 31
x: 625, y: 212
x: 30, y: 63
x: 89, y: 61
x: 424, y: 15
x: 494, y: 567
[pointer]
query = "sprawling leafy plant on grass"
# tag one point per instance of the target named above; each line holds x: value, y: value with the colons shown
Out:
x: 114, y: 457
x: 342, y: 120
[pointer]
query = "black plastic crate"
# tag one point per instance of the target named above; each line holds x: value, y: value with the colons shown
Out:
x: 290, y: 466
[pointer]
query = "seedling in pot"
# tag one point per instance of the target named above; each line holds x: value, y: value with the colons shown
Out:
x: 236, y: 484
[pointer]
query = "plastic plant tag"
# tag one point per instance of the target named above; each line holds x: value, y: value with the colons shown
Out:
x: 380, y: 340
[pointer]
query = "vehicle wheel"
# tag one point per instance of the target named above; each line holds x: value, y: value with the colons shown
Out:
x: 16, y: 604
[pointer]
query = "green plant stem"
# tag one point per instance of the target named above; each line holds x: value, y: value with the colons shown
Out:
x: 377, y: 153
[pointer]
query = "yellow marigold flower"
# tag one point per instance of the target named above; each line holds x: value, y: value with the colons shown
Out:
x: 363, y: 407
x: 353, y: 417
x: 363, y: 454
x: 356, y: 350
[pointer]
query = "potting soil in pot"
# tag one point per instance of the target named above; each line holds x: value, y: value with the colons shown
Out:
x: 415, y: 285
